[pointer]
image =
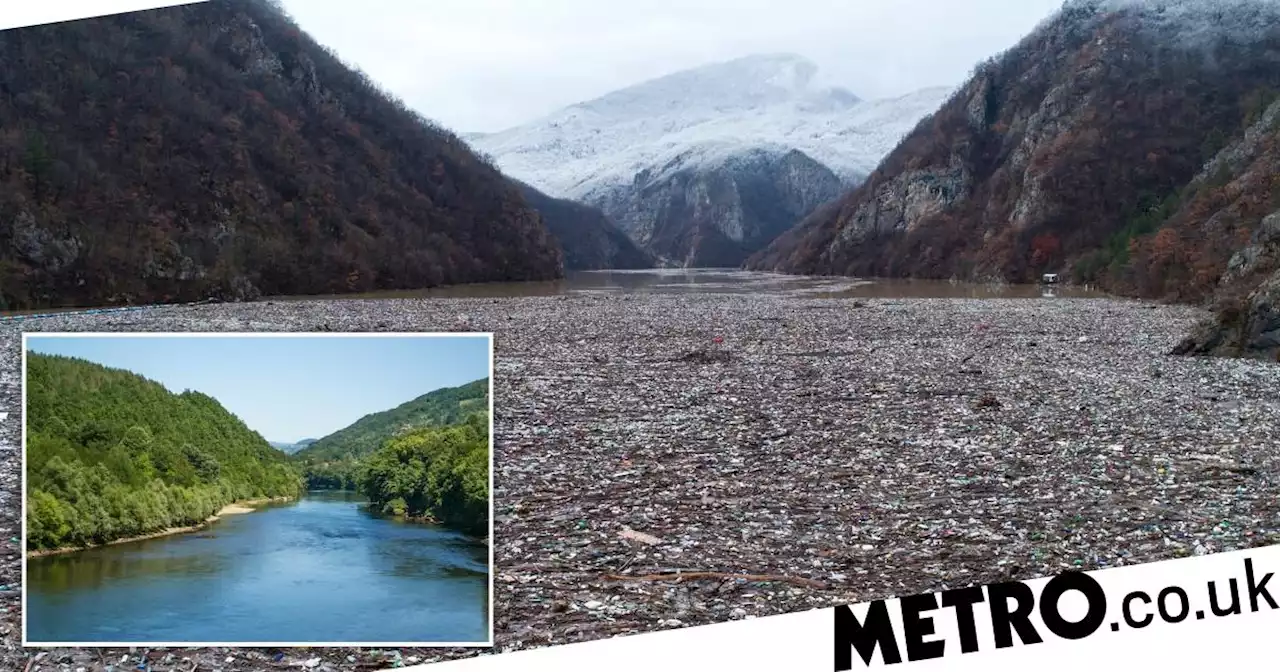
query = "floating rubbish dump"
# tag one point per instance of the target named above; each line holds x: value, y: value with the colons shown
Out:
x: 988, y: 401
x: 783, y: 478
x: 628, y: 533
x: 706, y: 356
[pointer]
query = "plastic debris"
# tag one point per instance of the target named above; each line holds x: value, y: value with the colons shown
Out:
x: 834, y: 445
x: 628, y: 533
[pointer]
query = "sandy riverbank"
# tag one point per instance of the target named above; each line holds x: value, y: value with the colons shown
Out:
x: 878, y: 447
x: 247, y: 506
x: 230, y: 509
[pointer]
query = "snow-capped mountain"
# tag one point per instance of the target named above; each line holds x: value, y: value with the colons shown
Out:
x: 749, y: 103
x: 711, y: 123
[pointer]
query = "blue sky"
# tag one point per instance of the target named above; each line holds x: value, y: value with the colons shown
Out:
x: 290, y: 388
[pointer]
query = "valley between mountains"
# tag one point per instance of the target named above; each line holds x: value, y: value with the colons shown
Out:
x: 1126, y: 144
x: 776, y: 326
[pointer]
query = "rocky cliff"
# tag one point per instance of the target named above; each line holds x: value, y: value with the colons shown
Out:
x: 216, y: 150
x: 587, y: 239
x: 1057, y: 154
x: 1230, y: 194
x: 716, y: 213
x: 1247, y: 322
x: 1122, y: 143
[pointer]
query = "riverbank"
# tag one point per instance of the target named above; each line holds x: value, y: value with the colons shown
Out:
x: 247, y: 506
x: 875, y: 446
x: 234, y: 508
x: 430, y: 520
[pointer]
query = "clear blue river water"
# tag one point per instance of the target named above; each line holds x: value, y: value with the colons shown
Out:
x: 318, y: 570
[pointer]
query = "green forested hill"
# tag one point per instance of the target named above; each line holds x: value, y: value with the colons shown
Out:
x: 435, y: 472
x: 425, y: 459
x: 111, y: 454
x: 446, y: 406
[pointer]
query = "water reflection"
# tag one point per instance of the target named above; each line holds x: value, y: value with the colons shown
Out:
x: 319, y: 570
x: 95, y: 568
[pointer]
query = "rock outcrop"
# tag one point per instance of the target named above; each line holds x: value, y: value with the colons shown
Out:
x: 1247, y: 320
x: 1236, y: 196
x: 715, y: 214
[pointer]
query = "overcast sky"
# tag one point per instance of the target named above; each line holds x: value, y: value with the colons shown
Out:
x: 486, y: 65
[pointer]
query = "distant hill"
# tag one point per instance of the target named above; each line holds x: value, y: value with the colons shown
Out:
x: 216, y: 150
x: 697, y: 211
x: 291, y: 448
x: 112, y: 455
x: 446, y: 406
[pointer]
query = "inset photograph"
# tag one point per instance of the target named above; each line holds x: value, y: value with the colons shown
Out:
x: 256, y: 489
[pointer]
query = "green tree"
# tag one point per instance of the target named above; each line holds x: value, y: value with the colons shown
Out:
x: 140, y: 459
x: 441, y: 473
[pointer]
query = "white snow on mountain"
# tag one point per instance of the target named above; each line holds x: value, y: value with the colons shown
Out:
x: 702, y: 117
x: 1194, y: 23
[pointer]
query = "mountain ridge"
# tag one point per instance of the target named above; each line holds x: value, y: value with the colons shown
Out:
x: 685, y: 163
x: 289, y: 448
x: 443, y: 406
x: 645, y: 124
x: 1045, y: 102
x: 234, y: 157
x: 1047, y: 160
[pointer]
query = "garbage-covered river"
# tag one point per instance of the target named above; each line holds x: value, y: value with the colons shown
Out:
x: 730, y: 281
x: 319, y: 570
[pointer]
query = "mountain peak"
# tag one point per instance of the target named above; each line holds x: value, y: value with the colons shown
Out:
x: 791, y: 73
x: 742, y: 83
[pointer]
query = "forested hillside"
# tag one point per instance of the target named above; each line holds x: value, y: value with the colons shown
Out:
x: 214, y: 149
x: 111, y: 455
x: 446, y: 406
x: 427, y: 458
x: 1240, y: 185
x: 439, y: 473
x: 1079, y: 151
x: 588, y: 239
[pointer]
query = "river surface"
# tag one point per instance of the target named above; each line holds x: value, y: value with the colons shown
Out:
x: 319, y: 570
x: 691, y: 280
x: 728, y: 280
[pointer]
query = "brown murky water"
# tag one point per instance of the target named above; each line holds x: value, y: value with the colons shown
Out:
x: 684, y: 280
x: 733, y: 281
